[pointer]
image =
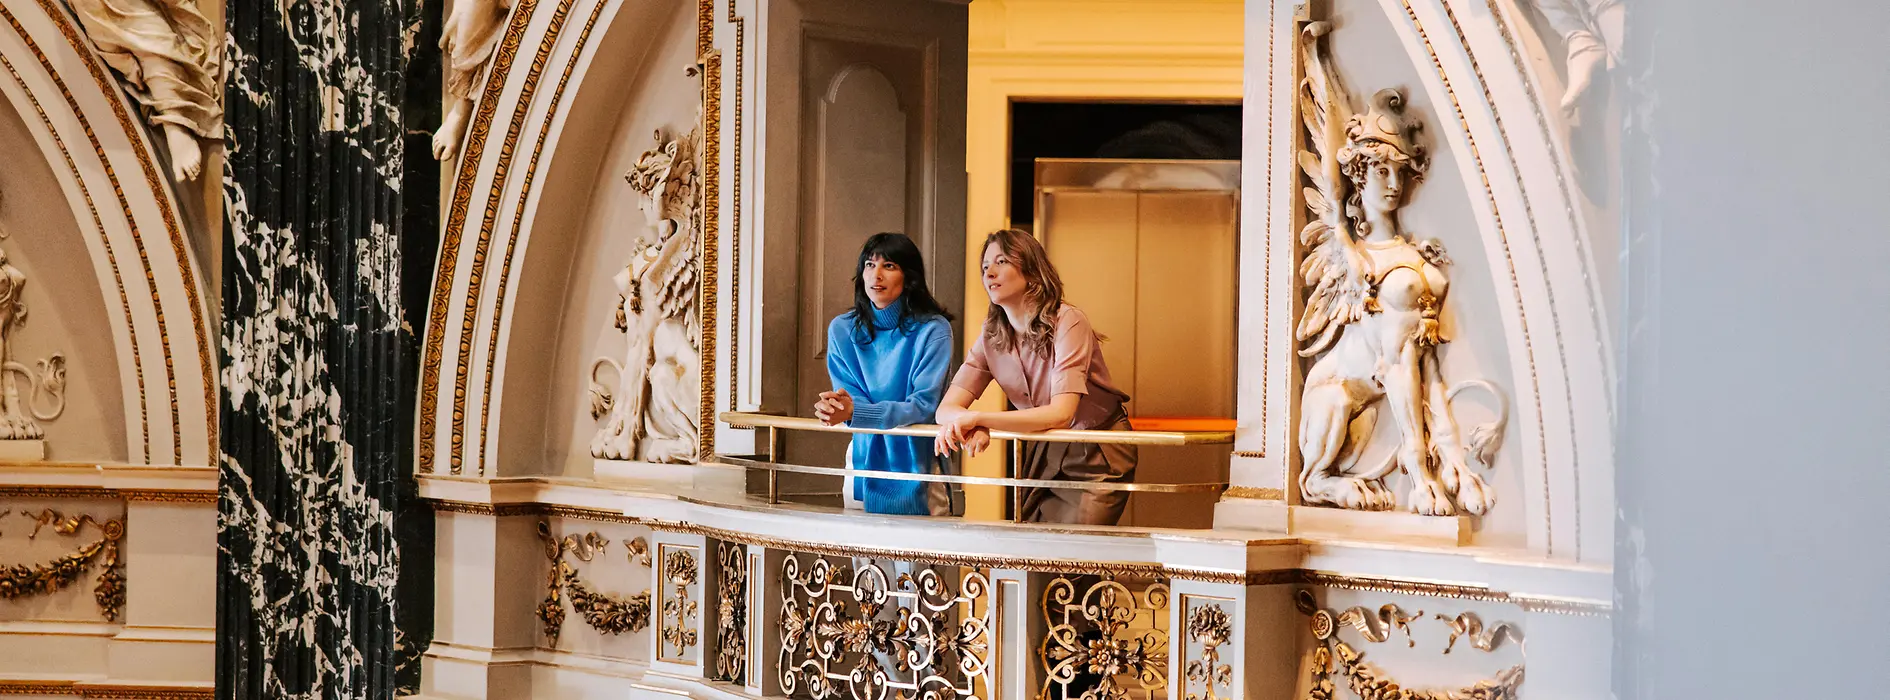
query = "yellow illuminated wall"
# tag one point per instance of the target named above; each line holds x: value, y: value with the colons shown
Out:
x: 1074, y: 50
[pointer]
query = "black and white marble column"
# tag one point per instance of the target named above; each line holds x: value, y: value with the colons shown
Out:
x: 325, y: 562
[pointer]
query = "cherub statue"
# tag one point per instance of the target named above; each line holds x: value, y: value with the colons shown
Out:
x: 1373, y: 312
x: 169, y: 58
x: 1591, y: 36
x: 653, y: 415
x: 467, y: 40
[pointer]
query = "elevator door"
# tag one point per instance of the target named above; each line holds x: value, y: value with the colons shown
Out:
x: 1147, y: 249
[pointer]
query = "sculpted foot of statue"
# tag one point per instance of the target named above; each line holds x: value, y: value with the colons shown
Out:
x: 452, y: 131
x: 186, y: 152
x: 1429, y: 497
x: 1350, y: 492
x: 1587, y: 60
x: 1473, y: 494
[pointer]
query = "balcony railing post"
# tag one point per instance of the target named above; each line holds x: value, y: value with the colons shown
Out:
x: 1016, y: 619
x: 773, y: 452
x: 767, y: 590
x: 1017, y: 494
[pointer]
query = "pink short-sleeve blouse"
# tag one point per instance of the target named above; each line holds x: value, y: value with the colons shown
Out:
x: 1030, y: 380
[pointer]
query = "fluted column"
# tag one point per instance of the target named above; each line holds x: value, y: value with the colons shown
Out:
x: 325, y: 566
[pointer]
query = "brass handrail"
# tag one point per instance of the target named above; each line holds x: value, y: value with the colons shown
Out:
x: 1189, y: 487
x: 770, y: 427
x: 1160, y: 438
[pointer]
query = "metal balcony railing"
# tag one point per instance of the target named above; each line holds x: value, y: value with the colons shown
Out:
x: 768, y: 440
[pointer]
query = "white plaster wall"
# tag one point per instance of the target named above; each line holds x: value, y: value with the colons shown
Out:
x: 66, y: 311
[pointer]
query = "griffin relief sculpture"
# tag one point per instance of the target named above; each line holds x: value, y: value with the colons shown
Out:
x: 652, y: 414
x: 1372, y: 316
x: 19, y: 414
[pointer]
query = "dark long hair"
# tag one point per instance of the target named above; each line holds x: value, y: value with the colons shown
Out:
x: 1043, y: 294
x: 919, y: 305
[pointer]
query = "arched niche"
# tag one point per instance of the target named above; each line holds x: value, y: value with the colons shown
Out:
x: 539, y: 221
x: 124, y: 269
x: 1527, y: 309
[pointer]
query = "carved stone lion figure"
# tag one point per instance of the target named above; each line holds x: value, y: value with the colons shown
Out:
x: 169, y: 58
x: 467, y: 41
x: 653, y: 413
x: 1374, y: 313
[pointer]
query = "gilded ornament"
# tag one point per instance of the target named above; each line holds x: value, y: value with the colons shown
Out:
x: 1209, y: 626
x: 1322, y: 625
x: 639, y: 551
x: 679, y: 612
x: 1469, y: 626
x: 603, y: 612
x: 1368, y: 682
x: 731, y: 624
x: 26, y: 581
x: 837, y: 624
x: 1376, y: 627
x: 1115, y: 634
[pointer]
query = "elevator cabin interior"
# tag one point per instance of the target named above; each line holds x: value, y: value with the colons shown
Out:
x: 1137, y: 204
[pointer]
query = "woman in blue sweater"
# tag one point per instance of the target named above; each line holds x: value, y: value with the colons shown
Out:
x: 888, y: 357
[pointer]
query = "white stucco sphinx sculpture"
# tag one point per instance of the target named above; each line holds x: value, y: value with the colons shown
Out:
x: 1591, y: 36
x: 17, y: 413
x: 1374, y: 313
x: 169, y: 58
x: 467, y: 41
x: 652, y: 415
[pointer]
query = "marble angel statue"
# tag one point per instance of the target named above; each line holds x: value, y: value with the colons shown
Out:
x: 170, y: 59
x: 653, y: 414
x: 1591, y: 34
x: 1374, y: 313
x: 467, y: 41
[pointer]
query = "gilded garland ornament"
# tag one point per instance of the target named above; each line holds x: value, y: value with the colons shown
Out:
x: 1368, y: 682
x: 603, y: 612
x: 1209, y: 626
x: 1376, y: 627
x: 27, y: 581
x: 639, y: 552
x: 1113, y: 634
x: 679, y: 611
x: 1468, y: 626
x: 731, y: 625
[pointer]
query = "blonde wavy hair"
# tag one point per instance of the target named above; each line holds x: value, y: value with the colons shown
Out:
x: 1043, y: 294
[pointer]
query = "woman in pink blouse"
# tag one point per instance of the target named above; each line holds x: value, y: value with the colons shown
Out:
x: 1049, y: 362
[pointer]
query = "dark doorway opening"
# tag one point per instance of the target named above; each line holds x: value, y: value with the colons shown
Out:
x: 1159, y: 131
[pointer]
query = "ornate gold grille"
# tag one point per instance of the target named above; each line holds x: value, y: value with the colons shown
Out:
x: 1109, y: 643
x: 876, y: 633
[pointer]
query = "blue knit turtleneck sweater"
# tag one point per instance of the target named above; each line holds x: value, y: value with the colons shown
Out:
x: 896, y: 379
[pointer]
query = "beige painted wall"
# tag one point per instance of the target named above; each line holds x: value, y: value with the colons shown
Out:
x: 1117, y: 50
x: 583, y: 236
x: 66, y: 309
